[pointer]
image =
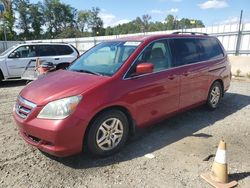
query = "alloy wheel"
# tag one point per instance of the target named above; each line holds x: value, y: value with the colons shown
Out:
x: 109, y: 134
x: 215, y: 96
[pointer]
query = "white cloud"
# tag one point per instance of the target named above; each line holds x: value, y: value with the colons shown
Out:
x: 110, y: 19
x: 122, y: 21
x: 174, y: 10
x: 213, y: 4
x: 157, y: 11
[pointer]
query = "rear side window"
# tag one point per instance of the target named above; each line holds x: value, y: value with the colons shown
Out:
x: 47, y: 50
x: 185, y: 51
x: 209, y: 49
x: 63, y: 49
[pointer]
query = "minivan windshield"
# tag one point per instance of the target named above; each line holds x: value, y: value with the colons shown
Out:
x: 7, y: 51
x: 105, y: 58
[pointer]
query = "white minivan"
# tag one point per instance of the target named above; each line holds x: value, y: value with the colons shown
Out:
x: 14, y: 60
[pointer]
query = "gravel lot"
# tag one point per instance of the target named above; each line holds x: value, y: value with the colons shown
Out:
x: 178, y: 144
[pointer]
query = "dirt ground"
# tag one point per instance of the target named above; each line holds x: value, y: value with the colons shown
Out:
x: 178, y: 145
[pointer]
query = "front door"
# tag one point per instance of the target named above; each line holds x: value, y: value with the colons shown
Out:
x: 17, y: 61
x: 156, y: 94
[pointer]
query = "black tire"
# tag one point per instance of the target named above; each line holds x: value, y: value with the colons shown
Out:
x: 96, y: 131
x: 1, y: 76
x: 214, y: 95
x: 62, y: 66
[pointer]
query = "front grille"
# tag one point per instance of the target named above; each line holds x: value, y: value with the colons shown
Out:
x: 24, y: 107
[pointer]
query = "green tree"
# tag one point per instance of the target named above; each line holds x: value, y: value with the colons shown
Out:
x: 157, y: 26
x: 9, y: 18
x: 82, y: 20
x: 70, y: 32
x: 138, y: 23
x: 22, y: 8
x: 37, y: 19
x: 110, y: 31
x: 95, y: 22
x: 58, y: 16
x: 145, y: 22
x: 186, y: 23
x: 170, y: 22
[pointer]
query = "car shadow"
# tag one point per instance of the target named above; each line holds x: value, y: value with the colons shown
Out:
x: 162, y: 134
x: 13, y: 83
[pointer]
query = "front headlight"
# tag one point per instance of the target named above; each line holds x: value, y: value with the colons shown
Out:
x: 59, y: 109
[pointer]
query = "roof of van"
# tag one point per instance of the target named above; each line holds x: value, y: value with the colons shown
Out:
x: 159, y: 36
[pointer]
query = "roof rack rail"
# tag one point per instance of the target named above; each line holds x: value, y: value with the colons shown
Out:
x: 47, y: 42
x: 192, y: 33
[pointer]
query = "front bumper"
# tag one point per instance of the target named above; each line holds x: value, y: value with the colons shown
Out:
x: 57, y: 137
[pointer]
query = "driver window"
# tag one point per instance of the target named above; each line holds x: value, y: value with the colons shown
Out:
x: 24, y: 52
x: 156, y: 53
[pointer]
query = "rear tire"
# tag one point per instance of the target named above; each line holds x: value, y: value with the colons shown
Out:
x: 1, y: 76
x: 108, y: 133
x: 214, y: 95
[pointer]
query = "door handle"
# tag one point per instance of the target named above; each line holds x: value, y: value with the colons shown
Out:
x: 185, y: 74
x: 171, y: 77
x: 57, y: 58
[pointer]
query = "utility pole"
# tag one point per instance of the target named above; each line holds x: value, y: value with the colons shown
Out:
x: 237, y: 51
x: 5, y: 35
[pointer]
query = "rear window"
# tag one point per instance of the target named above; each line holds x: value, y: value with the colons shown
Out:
x: 209, y: 49
x: 193, y: 50
x: 63, y: 50
x: 53, y: 50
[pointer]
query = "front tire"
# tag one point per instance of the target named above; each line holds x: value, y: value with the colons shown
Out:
x: 214, y: 95
x: 108, y: 133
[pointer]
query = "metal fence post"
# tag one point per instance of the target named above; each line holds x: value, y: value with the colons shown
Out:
x: 237, y: 50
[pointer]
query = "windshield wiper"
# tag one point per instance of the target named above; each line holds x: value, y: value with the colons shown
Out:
x: 88, y: 71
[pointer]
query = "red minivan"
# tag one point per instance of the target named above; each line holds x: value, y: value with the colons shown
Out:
x: 119, y: 86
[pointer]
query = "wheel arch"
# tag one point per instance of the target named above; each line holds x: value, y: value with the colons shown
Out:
x: 222, y: 84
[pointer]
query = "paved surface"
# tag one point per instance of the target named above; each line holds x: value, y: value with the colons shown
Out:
x: 178, y: 145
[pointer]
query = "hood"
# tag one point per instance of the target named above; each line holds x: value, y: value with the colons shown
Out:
x: 60, y: 84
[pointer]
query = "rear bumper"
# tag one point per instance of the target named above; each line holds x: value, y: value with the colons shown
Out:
x: 57, y: 137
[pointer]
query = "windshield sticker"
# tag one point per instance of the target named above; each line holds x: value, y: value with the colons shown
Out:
x: 129, y: 43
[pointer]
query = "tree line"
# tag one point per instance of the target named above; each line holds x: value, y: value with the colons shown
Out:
x: 54, y: 19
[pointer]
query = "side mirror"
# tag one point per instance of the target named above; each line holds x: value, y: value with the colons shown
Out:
x: 144, y: 68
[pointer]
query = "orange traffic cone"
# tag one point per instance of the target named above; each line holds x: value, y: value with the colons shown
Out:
x: 218, y: 177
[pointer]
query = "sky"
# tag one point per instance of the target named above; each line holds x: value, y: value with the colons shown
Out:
x: 211, y: 12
